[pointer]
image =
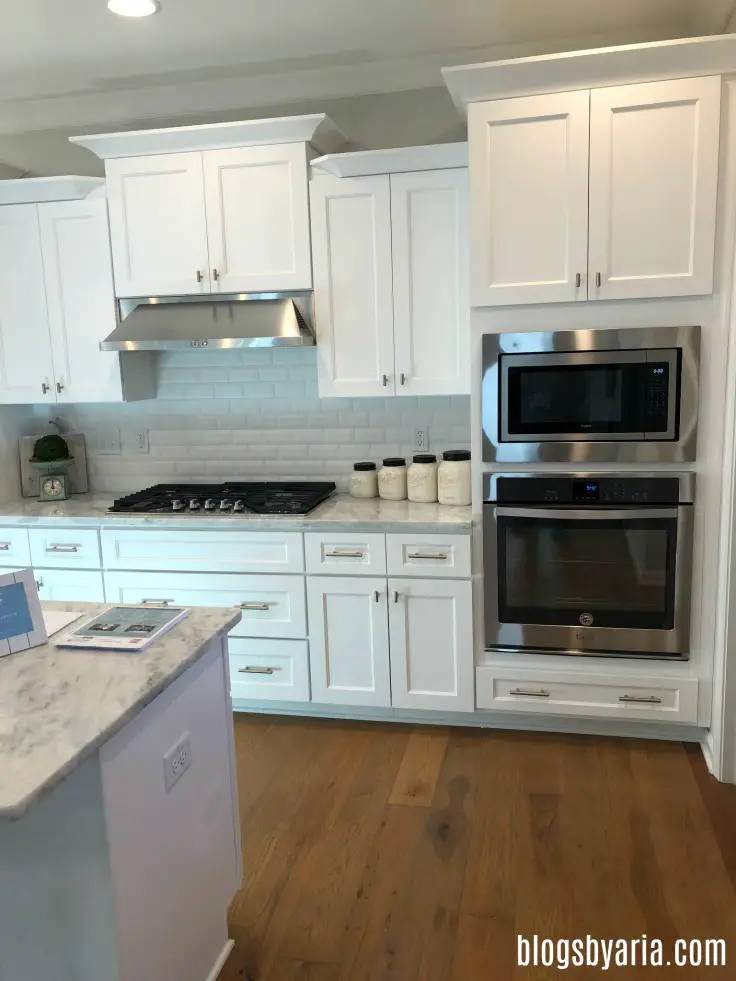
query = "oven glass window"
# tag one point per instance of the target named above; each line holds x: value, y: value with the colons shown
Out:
x: 559, y: 399
x: 620, y: 572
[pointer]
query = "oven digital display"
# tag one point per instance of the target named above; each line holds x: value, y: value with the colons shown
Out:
x: 585, y: 490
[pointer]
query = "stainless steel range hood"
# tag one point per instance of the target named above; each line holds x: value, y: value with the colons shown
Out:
x: 236, y: 320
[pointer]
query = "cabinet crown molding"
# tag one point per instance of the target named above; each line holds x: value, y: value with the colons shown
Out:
x: 593, y: 68
x: 317, y: 129
x: 37, y: 190
x: 410, y: 159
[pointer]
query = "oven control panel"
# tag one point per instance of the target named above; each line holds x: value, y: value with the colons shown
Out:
x: 588, y: 490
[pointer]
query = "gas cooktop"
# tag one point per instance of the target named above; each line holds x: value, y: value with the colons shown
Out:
x: 229, y: 498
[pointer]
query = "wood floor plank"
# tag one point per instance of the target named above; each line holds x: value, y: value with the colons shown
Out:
x: 485, y: 949
x: 417, y: 778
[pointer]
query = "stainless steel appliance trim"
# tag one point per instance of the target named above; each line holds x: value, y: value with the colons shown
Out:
x: 596, y: 513
x: 580, y: 451
x: 686, y: 480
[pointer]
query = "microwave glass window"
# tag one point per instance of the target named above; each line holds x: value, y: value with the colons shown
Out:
x: 553, y: 571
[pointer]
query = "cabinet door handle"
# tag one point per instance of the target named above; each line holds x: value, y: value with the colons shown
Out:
x: 156, y: 602
x: 402, y: 378
x: 39, y: 584
x: 384, y: 380
x: 4, y: 546
x: 531, y: 692
x: 344, y: 554
x: 255, y: 606
x: 257, y: 669
x: 63, y: 548
x: 216, y: 275
x: 396, y: 596
x: 440, y: 556
x: 377, y: 594
x: 578, y: 280
x: 199, y: 276
x: 45, y: 388
x: 642, y: 699
x: 59, y: 387
x: 598, y: 280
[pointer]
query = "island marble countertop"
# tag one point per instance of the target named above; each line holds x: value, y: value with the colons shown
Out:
x: 340, y: 513
x: 57, y: 707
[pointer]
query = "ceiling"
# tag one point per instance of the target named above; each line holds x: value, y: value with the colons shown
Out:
x: 71, y: 62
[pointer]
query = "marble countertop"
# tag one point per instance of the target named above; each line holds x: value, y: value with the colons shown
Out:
x: 339, y: 513
x: 57, y: 707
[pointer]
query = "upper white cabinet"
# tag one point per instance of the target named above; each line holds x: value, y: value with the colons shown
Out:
x: 391, y: 282
x: 653, y: 188
x: 57, y: 304
x: 602, y: 194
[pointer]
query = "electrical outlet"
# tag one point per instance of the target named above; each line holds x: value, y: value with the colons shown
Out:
x: 177, y: 761
x: 136, y: 441
x: 108, y: 442
x: 421, y: 439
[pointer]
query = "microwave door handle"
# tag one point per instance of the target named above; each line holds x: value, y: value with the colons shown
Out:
x: 587, y: 514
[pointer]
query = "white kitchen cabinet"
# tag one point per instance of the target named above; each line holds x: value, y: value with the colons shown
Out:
x: 529, y: 209
x: 257, y: 203
x: 653, y: 188
x: 429, y: 247
x: 270, y: 670
x: 158, y: 226
x: 431, y: 642
x: 348, y: 641
x: 353, y: 289
x: 26, y: 366
x: 70, y: 586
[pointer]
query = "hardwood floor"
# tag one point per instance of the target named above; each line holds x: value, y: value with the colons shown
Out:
x: 375, y: 852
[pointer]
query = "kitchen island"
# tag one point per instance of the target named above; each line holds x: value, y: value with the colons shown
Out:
x: 104, y: 874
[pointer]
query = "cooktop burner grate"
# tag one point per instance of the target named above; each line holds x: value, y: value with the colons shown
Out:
x: 233, y: 497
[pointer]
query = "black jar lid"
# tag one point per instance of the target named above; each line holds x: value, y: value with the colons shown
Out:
x: 424, y: 458
x: 456, y: 456
x: 365, y: 465
x: 394, y: 461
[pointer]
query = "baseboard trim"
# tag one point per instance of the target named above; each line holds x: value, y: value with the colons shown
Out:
x: 707, y: 750
x: 482, y: 720
x: 220, y: 962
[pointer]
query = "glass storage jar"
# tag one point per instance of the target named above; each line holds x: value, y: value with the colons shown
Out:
x: 392, y: 479
x: 364, y: 480
x: 421, y: 479
x: 453, y: 478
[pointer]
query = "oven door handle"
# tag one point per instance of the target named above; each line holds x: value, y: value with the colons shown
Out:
x: 587, y: 514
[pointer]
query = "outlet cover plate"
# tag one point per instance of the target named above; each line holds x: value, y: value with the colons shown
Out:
x: 177, y: 761
x: 421, y: 439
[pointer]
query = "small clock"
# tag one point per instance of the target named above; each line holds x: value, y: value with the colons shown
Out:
x: 55, y: 487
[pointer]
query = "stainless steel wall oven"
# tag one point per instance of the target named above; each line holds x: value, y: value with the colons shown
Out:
x: 591, y: 395
x: 588, y: 563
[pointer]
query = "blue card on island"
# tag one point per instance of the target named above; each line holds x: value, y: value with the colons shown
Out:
x: 21, y: 619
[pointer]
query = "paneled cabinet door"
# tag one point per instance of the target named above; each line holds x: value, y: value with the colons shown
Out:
x: 529, y: 199
x: 429, y: 227
x: 70, y: 586
x: 653, y: 188
x: 353, y: 293
x: 26, y: 367
x: 80, y: 299
x: 257, y: 201
x: 157, y: 225
x: 348, y: 640
x: 431, y: 637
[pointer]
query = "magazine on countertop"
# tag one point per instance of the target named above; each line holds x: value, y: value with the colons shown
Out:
x: 124, y: 628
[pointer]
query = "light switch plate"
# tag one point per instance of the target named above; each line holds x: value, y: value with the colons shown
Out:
x: 108, y: 442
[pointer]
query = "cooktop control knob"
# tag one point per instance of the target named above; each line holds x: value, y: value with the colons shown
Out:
x: 194, y: 504
x: 225, y: 505
x: 209, y: 504
x: 239, y: 506
x: 177, y: 505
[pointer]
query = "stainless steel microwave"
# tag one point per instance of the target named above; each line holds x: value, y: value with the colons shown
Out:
x: 591, y: 395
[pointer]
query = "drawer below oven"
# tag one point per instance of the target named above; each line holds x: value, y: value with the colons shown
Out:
x: 600, y: 696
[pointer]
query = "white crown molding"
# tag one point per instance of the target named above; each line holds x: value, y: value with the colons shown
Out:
x: 317, y: 129
x: 441, y: 156
x: 36, y: 190
x: 591, y: 68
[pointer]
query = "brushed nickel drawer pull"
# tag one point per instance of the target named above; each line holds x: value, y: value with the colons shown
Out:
x: 255, y: 606
x: 643, y: 699
x: 4, y: 546
x: 531, y: 692
x: 345, y: 554
x: 257, y: 669
x: 440, y: 556
x: 156, y: 602
x: 63, y: 548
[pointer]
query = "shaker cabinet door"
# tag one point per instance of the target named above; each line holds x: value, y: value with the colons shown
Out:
x: 353, y: 292
x: 258, y: 218
x: 529, y: 204
x: 429, y: 229
x: 653, y: 188
x: 157, y: 225
x: 26, y: 367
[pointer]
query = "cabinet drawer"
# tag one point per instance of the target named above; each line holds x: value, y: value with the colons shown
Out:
x: 275, y: 670
x: 195, y: 551
x: 64, y: 548
x: 70, y: 585
x: 347, y: 554
x: 14, y: 547
x: 601, y: 696
x: 446, y: 556
x: 272, y: 606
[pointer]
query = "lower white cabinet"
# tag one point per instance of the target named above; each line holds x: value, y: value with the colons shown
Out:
x: 70, y: 585
x: 271, y: 670
x: 431, y: 641
x: 348, y: 629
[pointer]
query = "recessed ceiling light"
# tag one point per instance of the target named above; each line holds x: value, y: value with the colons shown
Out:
x: 134, y: 8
